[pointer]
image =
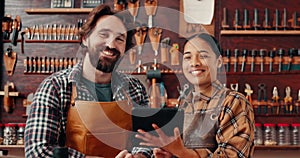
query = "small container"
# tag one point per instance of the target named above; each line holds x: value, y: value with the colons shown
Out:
x: 270, y: 134
x: 20, y: 133
x: 258, y: 134
x: 284, y: 134
x: 9, y: 134
x: 295, y: 131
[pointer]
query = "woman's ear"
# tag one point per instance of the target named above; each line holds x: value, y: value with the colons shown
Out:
x: 219, y: 61
x: 83, y: 42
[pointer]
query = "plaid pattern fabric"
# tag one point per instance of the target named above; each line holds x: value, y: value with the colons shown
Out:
x: 48, y: 115
x: 235, y: 133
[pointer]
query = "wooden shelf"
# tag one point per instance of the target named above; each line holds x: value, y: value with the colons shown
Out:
x: 260, y: 32
x: 57, y: 10
x: 277, y: 147
x: 11, y: 146
x: 265, y: 73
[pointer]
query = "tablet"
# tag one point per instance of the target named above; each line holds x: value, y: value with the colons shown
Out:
x: 166, y: 118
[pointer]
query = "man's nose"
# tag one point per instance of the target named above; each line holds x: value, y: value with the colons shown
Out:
x: 110, y: 42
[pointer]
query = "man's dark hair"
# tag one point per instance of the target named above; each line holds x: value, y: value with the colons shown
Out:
x: 103, y: 10
x: 211, y: 40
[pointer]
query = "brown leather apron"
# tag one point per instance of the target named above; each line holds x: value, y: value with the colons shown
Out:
x: 98, y: 128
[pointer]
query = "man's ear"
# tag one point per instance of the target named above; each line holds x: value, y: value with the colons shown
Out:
x: 219, y: 61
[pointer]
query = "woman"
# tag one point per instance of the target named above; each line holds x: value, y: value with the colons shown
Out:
x: 218, y: 122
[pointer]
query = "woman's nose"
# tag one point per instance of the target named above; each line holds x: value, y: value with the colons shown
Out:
x: 195, y: 61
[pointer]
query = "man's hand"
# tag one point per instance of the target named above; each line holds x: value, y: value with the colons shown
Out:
x: 126, y: 154
x: 160, y: 153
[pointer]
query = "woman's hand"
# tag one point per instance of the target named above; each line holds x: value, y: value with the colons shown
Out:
x: 172, y: 144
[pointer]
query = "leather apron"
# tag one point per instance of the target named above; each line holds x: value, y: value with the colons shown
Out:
x: 98, y: 128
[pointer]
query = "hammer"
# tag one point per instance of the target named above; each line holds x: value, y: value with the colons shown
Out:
x: 153, y: 75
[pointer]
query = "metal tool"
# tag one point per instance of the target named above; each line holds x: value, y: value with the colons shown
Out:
x: 234, y: 86
x: 276, y: 19
x: 133, y: 7
x: 246, y: 24
x: 119, y: 5
x: 271, y: 55
x: 266, y: 24
x: 236, y: 24
x: 228, y: 54
x: 262, y: 95
x: 155, y: 35
x: 244, y: 59
x: 248, y: 92
x: 280, y: 54
x: 236, y: 56
x: 295, y: 21
x: 253, y: 55
x: 151, y: 7
x: 275, y: 100
x: 10, y: 60
x: 291, y: 55
x: 165, y: 43
x: 16, y: 28
x: 256, y: 25
x: 262, y: 53
x: 288, y: 100
x: 284, y: 19
x: 140, y: 36
x: 225, y: 21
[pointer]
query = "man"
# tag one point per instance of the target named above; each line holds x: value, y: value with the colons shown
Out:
x: 105, y: 38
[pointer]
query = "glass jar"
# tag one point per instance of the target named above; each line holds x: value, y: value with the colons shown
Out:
x: 295, y: 134
x: 20, y: 133
x: 284, y: 134
x: 270, y: 134
x: 258, y: 134
x: 9, y: 134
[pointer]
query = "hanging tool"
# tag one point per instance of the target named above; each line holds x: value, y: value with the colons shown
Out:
x: 266, y: 24
x: 165, y: 43
x: 275, y: 101
x: 284, y: 20
x: 236, y: 57
x: 140, y: 36
x: 234, y: 86
x: 246, y: 24
x: 132, y: 55
x: 174, y: 52
x: 7, y: 23
x: 133, y: 7
x: 16, y: 28
x: 225, y: 21
x: 253, y: 55
x: 227, y: 61
x: 297, y: 104
x: 153, y: 75
x: 236, y: 24
x: 155, y: 35
x: 244, y: 59
x: 271, y: 55
x: 10, y: 59
x: 151, y: 7
x: 280, y: 54
x: 9, y: 91
x: 288, y: 100
x: 291, y: 55
x: 262, y: 96
x: 248, y: 92
x: 262, y: 54
x: 256, y: 25
x: 294, y: 22
x: 276, y: 24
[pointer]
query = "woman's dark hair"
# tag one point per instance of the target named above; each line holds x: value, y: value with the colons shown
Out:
x: 211, y: 40
x: 102, y: 10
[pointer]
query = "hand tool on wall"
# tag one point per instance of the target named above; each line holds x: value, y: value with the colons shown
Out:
x: 262, y: 96
x: 133, y: 7
x: 153, y: 75
x: 297, y: 104
x: 246, y: 24
x: 150, y: 7
x: 140, y: 36
x: 227, y: 61
x: 276, y: 20
x: 164, y: 50
x: 155, y: 35
x: 235, y: 61
x: 291, y: 55
x: 234, y: 86
x: 256, y: 25
x: 288, y: 100
x: 7, y: 23
x: 244, y: 59
x: 284, y: 19
x: 9, y: 91
x: 10, y: 59
x: 262, y: 53
x: 174, y: 53
x: 236, y: 23
x: 119, y: 5
x: 280, y: 54
x: 275, y: 101
x: 248, y: 92
x: 266, y: 24
x: 294, y: 22
x: 225, y: 21
x: 16, y: 28
x: 132, y: 55
x: 253, y: 55
x: 271, y: 55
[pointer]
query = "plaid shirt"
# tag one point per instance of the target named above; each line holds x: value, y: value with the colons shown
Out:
x: 235, y: 131
x: 48, y: 115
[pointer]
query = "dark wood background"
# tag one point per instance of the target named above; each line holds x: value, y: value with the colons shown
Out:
x: 27, y: 83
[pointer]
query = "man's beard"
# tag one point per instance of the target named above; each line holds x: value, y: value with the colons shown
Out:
x: 102, y: 63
